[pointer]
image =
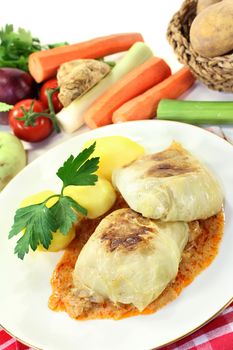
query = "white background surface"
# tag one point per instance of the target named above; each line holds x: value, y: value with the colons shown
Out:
x: 74, y: 21
x: 77, y: 20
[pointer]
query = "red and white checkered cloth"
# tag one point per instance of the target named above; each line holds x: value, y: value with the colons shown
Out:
x: 216, y: 335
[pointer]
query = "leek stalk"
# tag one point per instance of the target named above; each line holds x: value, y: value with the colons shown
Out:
x: 196, y: 112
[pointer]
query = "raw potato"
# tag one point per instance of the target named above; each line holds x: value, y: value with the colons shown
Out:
x: 211, y: 32
x: 96, y: 199
x: 202, y: 4
x: 59, y: 241
x: 12, y: 157
x: 114, y: 152
x: 78, y: 76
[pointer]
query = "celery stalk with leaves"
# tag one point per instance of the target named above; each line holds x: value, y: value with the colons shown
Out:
x: 40, y: 222
x: 16, y: 46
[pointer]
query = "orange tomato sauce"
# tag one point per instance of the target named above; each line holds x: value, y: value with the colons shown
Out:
x: 198, y: 254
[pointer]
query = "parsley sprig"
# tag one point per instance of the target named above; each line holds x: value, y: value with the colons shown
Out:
x: 16, y: 46
x: 39, y: 222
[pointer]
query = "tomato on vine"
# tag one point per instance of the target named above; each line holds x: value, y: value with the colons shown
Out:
x: 51, y: 84
x: 31, y: 122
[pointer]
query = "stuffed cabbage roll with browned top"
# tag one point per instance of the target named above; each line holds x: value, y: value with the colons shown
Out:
x: 171, y: 185
x: 130, y: 259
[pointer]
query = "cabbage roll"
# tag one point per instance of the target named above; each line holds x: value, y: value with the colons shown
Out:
x: 130, y: 259
x: 171, y: 185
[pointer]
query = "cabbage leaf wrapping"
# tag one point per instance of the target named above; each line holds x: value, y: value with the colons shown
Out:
x: 171, y: 185
x: 130, y: 259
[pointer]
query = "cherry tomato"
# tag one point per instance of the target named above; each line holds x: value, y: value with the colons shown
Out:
x: 50, y: 84
x: 42, y: 127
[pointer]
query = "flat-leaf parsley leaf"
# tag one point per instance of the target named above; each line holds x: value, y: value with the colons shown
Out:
x: 38, y: 222
x: 79, y: 171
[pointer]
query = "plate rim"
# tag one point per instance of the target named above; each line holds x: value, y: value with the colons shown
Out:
x: 191, y: 126
x: 157, y: 347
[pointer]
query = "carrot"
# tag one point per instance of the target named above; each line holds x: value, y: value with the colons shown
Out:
x: 44, y: 64
x: 145, y: 105
x: 132, y: 84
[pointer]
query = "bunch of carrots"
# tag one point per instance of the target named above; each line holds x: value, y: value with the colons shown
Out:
x: 137, y: 95
x: 134, y: 96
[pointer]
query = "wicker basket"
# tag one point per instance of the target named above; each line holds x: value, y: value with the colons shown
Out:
x: 217, y: 72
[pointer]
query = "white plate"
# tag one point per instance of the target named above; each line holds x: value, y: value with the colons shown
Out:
x: 25, y: 286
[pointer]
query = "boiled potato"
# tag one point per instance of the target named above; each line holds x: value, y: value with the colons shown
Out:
x: 97, y: 199
x: 39, y: 198
x: 202, y: 4
x: 211, y: 32
x: 59, y: 241
x: 114, y: 152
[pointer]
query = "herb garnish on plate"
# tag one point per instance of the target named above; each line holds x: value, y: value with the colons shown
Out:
x: 39, y: 222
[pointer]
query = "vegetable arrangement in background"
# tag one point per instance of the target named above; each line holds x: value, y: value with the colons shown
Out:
x: 84, y: 87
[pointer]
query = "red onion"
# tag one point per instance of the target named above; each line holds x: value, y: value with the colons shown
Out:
x: 15, y: 85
